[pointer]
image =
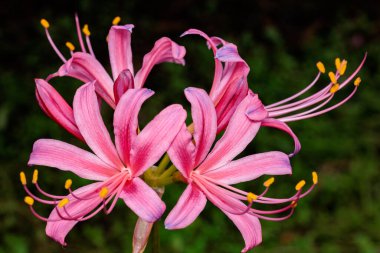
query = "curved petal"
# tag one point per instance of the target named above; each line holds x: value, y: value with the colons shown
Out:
x: 252, y: 167
x: 86, y: 68
x: 156, y: 137
x: 125, y: 120
x: 90, y: 123
x: 249, y: 227
x: 123, y: 83
x: 143, y: 200
x: 58, y: 230
x: 119, y: 47
x: 164, y: 50
x: 204, y: 120
x: 67, y: 157
x: 189, y: 206
x: 271, y: 122
x: 181, y: 152
x: 239, y: 133
x: 53, y: 104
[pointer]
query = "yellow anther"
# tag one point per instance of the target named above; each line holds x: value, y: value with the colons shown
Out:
x: 315, y: 177
x: 63, y: 202
x: 68, y: 183
x: 332, y: 77
x: 334, y: 88
x: 35, y: 176
x: 22, y: 178
x: 103, y: 192
x: 357, y: 81
x: 300, y: 185
x: 116, y: 20
x: 321, y: 67
x: 293, y: 204
x: 45, y: 23
x: 269, y: 182
x: 29, y: 200
x: 70, y: 46
x: 85, y: 30
x: 343, y: 67
x: 251, y: 197
x: 337, y: 63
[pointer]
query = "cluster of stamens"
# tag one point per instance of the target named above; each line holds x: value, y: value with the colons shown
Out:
x: 85, y: 30
x: 252, y: 198
x: 106, y: 192
x: 285, y: 110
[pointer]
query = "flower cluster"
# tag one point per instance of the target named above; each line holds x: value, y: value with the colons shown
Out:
x: 125, y: 168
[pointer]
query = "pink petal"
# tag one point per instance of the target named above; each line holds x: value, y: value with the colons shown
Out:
x: 53, y: 104
x: 67, y: 157
x: 270, y: 122
x: 189, y: 206
x: 123, y: 83
x: 252, y: 167
x: 58, y: 230
x: 91, y: 126
x: 181, y: 152
x: 119, y: 47
x: 164, y: 50
x: 126, y: 120
x: 155, y: 139
x: 250, y: 228
x: 239, y: 133
x: 86, y: 68
x: 204, y: 120
x: 143, y: 200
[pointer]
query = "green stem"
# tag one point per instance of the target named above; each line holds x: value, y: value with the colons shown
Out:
x: 156, y: 238
x: 163, y: 164
x: 168, y: 172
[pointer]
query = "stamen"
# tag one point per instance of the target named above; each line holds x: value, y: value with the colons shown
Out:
x: 357, y: 81
x: 343, y: 67
x: 315, y: 177
x: 294, y: 204
x: 70, y: 46
x: 334, y: 88
x: 103, y: 192
x: 77, y: 24
x: 35, y: 176
x: 251, y: 197
x: 321, y: 67
x: 29, y: 200
x: 332, y: 77
x: 63, y: 202
x: 22, y: 178
x: 116, y: 20
x: 300, y: 185
x: 68, y: 184
x: 45, y: 23
x: 337, y: 64
x: 85, y: 30
x: 269, y: 182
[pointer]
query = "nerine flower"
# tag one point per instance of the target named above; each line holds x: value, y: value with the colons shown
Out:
x: 84, y: 66
x: 116, y: 168
x: 210, y: 174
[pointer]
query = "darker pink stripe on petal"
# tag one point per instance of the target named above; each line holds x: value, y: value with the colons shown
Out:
x: 64, y: 156
x: 119, y: 47
x: 90, y: 123
x: 126, y: 120
x: 123, y: 83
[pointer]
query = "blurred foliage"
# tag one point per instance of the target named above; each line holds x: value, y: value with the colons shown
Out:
x: 281, y: 41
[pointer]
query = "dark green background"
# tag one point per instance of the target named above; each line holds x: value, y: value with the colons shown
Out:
x: 281, y: 41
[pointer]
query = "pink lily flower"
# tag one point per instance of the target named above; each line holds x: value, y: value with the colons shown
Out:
x: 84, y: 66
x: 116, y: 168
x: 209, y: 174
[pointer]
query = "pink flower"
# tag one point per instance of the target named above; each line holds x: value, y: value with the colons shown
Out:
x: 209, y: 174
x: 84, y: 66
x: 116, y: 168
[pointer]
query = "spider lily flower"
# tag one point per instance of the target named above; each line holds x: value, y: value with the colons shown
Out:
x: 116, y: 168
x: 315, y: 104
x: 210, y: 174
x: 230, y: 85
x: 84, y: 66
